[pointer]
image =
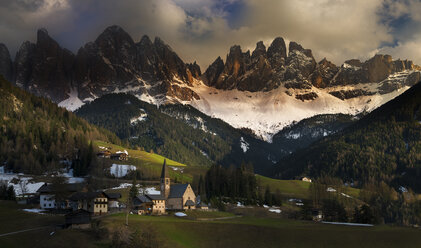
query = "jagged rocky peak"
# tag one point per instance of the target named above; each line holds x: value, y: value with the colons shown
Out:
x: 114, y: 37
x: 44, y: 68
x: 277, y: 52
x: 6, y: 66
x: 353, y: 62
x: 259, y: 51
x: 213, y: 71
x: 300, y: 63
x: 324, y: 73
x: 194, y: 69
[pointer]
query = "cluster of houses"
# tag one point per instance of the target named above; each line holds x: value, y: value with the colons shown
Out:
x: 81, y: 204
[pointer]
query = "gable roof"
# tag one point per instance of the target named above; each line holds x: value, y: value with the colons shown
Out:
x: 164, y: 172
x: 155, y: 197
x: 113, y: 196
x: 85, y: 195
x: 49, y: 188
x: 177, y: 190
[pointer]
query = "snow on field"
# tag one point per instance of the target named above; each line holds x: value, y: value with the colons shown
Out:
x: 347, y: 196
x: 121, y: 170
x: 34, y: 210
x: 180, y: 214
x: 274, y: 210
x: 71, y: 178
x: 23, y: 184
x: 265, y: 206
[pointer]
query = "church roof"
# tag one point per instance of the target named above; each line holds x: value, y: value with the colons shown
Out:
x: 164, y: 173
x: 177, y: 190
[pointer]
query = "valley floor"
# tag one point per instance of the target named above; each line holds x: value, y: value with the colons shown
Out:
x: 213, y: 229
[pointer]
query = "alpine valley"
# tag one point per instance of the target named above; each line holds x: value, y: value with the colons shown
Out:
x: 254, y: 106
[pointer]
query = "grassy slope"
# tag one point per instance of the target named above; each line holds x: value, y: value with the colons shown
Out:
x: 265, y: 232
x: 296, y: 188
x: 12, y: 218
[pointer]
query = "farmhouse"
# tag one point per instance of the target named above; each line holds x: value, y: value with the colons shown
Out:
x: 93, y: 202
x: 113, y: 200
x: 119, y: 156
x: 149, y: 204
x: 104, y: 154
x: 55, y: 196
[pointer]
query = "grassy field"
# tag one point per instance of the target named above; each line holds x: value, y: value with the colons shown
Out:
x: 267, y: 232
x: 13, y: 218
x: 201, y: 229
x: 152, y: 163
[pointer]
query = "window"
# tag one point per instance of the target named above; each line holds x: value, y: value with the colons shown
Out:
x: 45, y: 205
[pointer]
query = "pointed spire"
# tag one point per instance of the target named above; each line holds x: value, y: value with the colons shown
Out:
x: 164, y: 173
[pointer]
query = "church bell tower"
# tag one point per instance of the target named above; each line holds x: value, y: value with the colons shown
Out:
x: 165, y: 181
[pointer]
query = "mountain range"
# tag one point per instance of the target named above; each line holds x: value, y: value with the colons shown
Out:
x: 264, y: 90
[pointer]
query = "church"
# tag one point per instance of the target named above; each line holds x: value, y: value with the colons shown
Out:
x: 177, y: 196
x: 172, y: 197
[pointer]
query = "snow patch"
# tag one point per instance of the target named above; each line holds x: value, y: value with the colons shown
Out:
x: 180, y: 214
x: 274, y: 210
x: 34, y: 210
x: 121, y: 170
x: 73, y: 102
x: 244, y: 145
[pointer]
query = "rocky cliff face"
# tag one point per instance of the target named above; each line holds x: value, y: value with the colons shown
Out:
x: 112, y: 63
x: 6, y: 66
x: 268, y: 69
x: 44, y: 68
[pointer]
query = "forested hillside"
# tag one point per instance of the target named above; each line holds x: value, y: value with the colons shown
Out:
x: 385, y: 145
x: 36, y: 134
x: 179, y: 132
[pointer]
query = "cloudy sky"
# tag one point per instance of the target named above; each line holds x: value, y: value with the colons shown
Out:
x: 204, y: 29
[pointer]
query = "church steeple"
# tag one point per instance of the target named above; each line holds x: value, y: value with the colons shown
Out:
x: 165, y: 181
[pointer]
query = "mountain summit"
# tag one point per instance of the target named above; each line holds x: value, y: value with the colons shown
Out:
x: 263, y: 90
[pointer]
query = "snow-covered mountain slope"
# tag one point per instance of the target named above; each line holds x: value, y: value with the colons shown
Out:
x: 266, y: 113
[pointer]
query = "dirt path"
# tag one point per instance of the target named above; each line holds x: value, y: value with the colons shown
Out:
x: 26, y: 230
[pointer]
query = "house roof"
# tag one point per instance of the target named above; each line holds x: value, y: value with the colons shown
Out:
x: 49, y: 188
x: 189, y: 203
x: 141, y: 199
x: 78, y: 217
x: 113, y: 196
x: 177, y: 190
x: 155, y: 197
x: 85, y: 195
x: 164, y: 172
